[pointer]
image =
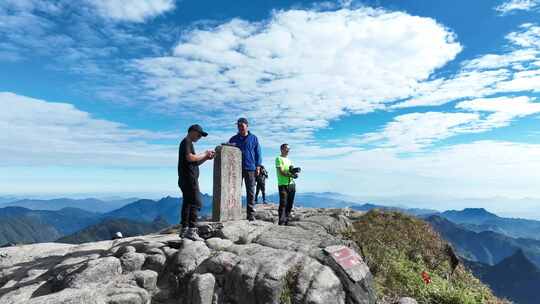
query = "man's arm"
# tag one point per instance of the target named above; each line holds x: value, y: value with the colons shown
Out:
x: 201, y: 157
x: 258, y: 156
x: 283, y: 171
x: 198, y: 158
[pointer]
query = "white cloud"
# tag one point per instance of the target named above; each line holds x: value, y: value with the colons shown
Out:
x: 521, y: 82
x: 31, y: 5
x: 487, y: 75
x: 36, y: 132
x: 412, y: 132
x: 134, y: 11
x: 91, y: 48
x: 36, y: 28
x: 497, y: 61
x: 415, y: 131
x: 463, y: 85
x: 516, y: 106
x: 477, y: 169
x: 514, y: 5
x: 502, y: 111
x: 528, y: 37
x: 299, y: 70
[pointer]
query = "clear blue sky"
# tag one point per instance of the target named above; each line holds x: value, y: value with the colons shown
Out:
x: 376, y: 98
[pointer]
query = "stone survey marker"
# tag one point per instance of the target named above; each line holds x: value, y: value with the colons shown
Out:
x: 349, y: 261
x: 227, y: 204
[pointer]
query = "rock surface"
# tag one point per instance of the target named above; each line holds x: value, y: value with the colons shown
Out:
x: 406, y: 300
x: 239, y: 262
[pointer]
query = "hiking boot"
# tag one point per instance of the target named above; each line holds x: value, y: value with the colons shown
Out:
x: 182, y: 233
x: 193, y: 235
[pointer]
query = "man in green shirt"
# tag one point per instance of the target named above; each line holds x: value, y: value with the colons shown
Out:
x: 286, y: 185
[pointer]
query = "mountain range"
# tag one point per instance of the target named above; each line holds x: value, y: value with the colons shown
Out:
x: 509, y: 265
x: 515, y: 277
x: 487, y: 247
x: 88, y: 204
x: 23, y: 225
x: 26, y: 230
x: 147, y: 210
x: 479, y: 219
x: 106, y: 229
x: 336, y: 200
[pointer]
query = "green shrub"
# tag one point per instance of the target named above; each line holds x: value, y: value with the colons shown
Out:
x: 398, y: 248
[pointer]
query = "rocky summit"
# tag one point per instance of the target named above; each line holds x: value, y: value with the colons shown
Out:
x: 307, y: 261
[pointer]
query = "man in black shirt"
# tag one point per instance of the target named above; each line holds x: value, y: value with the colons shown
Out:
x: 188, y: 180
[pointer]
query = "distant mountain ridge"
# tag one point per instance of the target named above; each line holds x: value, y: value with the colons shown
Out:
x: 337, y: 200
x: 69, y: 220
x: 487, y: 247
x: 22, y: 225
x: 106, y: 229
x: 515, y: 277
x: 7, y: 199
x: 469, y: 215
x: 62, y: 222
x: 88, y: 204
x: 22, y: 229
x: 479, y: 219
x: 167, y: 207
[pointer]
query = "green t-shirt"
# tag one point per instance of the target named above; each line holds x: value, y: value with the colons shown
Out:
x: 284, y: 163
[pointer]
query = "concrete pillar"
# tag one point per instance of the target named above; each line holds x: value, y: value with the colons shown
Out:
x: 227, y: 204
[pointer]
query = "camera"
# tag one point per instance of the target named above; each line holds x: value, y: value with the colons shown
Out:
x: 294, y: 171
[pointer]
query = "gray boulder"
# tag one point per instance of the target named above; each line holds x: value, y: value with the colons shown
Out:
x: 242, y: 232
x: 218, y: 244
x: 95, y: 271
x: 155, y: 262
x: 191, y: 255
x: 132, y: 261
x: 201, y: 289
x: 68, y: 296
x: 406, y: 300
x: 123, y: 250
x: 127, y: 294
x: 146, y: 279
x: 317, y: 283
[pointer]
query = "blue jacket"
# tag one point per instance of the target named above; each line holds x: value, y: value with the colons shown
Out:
x: 251, y: 150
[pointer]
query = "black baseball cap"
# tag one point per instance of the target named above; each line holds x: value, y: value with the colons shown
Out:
x: 197, y: 128
x: 242, y: 120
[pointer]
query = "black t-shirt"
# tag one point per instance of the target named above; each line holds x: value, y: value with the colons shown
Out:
x: 188, y: 172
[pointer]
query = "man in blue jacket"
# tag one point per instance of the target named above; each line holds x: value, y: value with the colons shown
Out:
x: 251, y: 161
